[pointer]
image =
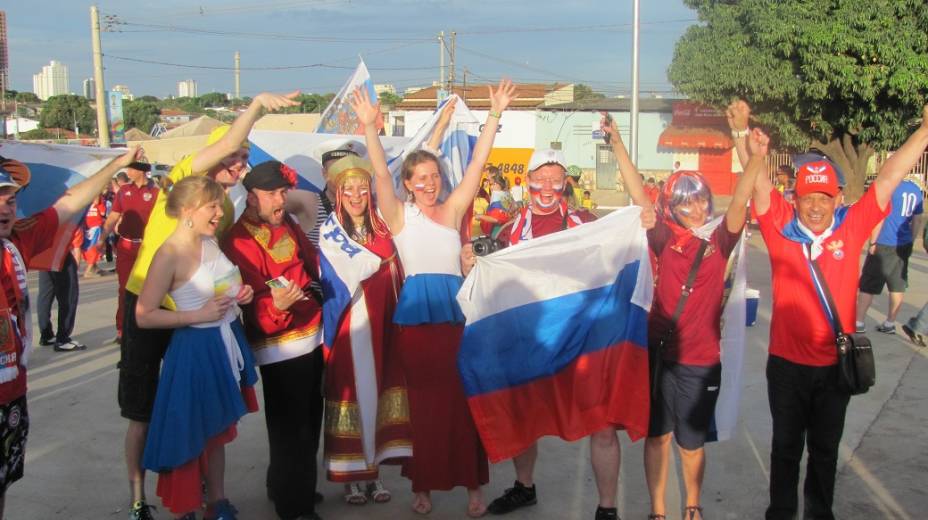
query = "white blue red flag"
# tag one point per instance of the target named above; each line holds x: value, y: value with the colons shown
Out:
x: 556, y: 336
x: 339, y: 117
x: 54, y: 168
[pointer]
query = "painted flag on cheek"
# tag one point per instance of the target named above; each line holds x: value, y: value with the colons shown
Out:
x: 556, y: 336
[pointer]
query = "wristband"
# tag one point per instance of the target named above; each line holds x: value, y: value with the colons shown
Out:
x: 737, y: 134
x: 491, y: 113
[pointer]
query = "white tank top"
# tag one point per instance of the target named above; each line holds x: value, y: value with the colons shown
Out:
x: 426, y: 246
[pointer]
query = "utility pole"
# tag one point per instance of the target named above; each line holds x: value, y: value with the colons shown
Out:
x: 441, y: 59
x: 633, y: 141
x: 451, y: 73
x: 238, y: 76
x: 103, y: 127
x: 464, y: 91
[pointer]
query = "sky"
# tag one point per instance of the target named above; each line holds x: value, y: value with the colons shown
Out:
x: 313, y: 45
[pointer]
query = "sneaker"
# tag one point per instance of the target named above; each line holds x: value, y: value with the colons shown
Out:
x: 886, y: 329
x: 141, y: 511
x: 224, y: 511
x: 607, y: 513
x: 914, y: 337
x: 861, y: 327
x: 69, y: 346
x: 45, y: 342
x: 515, y: 497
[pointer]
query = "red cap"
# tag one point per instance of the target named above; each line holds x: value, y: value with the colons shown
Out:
x: 816, y: 176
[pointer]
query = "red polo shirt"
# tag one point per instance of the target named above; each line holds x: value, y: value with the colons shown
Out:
x: 799, y: 328
x: 134, y: 203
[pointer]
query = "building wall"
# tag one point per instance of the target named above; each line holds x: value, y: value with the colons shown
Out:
x: 517, y: 127
x: 52, y: 81
x: 574, y: 130
x: 187, y: 88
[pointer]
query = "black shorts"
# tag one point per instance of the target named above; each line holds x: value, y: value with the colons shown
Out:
x: 685, y: 403
x: 888, y: 265
x: 14, y: 429
x: 140, y: 355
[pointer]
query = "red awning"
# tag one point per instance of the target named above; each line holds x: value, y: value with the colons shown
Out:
x: 695, y: 138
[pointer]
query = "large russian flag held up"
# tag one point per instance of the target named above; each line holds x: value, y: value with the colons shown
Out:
x: 556, y: 336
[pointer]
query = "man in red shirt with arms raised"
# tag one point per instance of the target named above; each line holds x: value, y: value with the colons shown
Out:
x: 806, y: 403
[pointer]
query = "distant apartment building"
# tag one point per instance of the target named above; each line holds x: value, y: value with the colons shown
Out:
x: 124, y: 90
x: 187, y: 88
x: 52, y: 81
x: 4, y: 55
x: 89, y: 88
x: 380, y: 88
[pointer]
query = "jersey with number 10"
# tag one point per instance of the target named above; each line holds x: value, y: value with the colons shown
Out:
x: 906, y: 203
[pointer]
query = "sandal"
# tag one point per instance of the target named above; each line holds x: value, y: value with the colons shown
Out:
x: 690, y: 512
x: 354, y: 495
x: 378, y: 493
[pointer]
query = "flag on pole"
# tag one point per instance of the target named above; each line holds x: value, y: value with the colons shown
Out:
x: 339, y: 117
x: 54, y: 168
x: 555, y: 341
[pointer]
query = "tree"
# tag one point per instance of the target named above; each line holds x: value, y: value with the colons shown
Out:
x: 582, y: 91
x: 152, y: 99
x: 844, y: 77
x: 38, y: 133
x: 140, y: 114
x: 390, y: 99
x: 66, y: 111
x: 213, y: 99
x: 27, y: 97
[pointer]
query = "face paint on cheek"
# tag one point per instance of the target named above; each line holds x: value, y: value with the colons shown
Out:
x: 418, y: 187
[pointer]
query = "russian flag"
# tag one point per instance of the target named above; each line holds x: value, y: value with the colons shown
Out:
x: 556, y: 336
x: 339, y: 117
x: 54, y: 168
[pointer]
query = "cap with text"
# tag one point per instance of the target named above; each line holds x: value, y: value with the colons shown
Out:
x: 816, y: 177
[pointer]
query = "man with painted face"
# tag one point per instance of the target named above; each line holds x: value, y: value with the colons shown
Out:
x: 807, y: 406
x: 225, y: 159
x: 284, y: 328
x: 548, y: 213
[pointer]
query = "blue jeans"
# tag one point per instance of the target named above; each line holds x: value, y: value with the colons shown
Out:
x: 919, y: 322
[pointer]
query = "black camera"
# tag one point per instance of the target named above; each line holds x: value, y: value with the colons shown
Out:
x: 485, y: 245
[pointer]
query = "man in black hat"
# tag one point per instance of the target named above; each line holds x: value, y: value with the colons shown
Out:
x: 284, y: 328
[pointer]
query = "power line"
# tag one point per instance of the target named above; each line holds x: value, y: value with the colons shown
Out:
x: 113, y: 23
x: 574, y: 28
x: 281, y: 67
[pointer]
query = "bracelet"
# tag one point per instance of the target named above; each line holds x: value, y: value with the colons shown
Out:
x: 737, y: 134
x: 491, y: 113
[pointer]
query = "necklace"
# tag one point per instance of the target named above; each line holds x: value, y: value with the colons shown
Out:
x: 360, y: 233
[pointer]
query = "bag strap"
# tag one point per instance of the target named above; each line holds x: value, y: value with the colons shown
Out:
x: 687, y: 288
x: 824, y: 293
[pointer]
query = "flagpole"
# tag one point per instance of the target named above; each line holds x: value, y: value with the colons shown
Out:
x: 633, y: 140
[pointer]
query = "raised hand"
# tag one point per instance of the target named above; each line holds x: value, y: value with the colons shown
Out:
x: 270, y: 101
x: 608, y: 126
x: 648, y: 217
x: 361, y: 104
x: 132, y: 155
x: 738, y: 115
x: 504, y: 94
x: 758, y: 142
x: 447, y: 112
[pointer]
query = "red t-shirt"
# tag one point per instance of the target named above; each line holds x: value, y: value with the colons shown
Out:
x: 134, y: 204
x: 799, y: 328
x: 31, y: 236
x: 696, y: 341
x: 96, y: 214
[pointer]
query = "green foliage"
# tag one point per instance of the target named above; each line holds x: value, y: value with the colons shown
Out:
x: 212, y: 99
x: 582, y: 91
x: 151, y: 99
x: 141, y: 114
x: 64, y: 111
x: 26, y: 97
x: 38, y: 133
x: 390, y: 99
x: 309, y: 103
x: 846, y: 75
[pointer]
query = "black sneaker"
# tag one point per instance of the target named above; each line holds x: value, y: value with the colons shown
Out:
x: 914, y: 337
x: 886, y: 329
x: 515, y: 497
x: 141, y: 511
x: 46, y: 342
x: 607, y: 513
x: 69, y: 346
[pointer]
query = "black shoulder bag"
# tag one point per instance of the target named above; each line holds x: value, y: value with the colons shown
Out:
x: 856, y: 369
x: 657, y: 358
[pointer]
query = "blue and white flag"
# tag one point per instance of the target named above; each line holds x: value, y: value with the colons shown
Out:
x: 456, y: 146
x: 339, y: 117
x: 732, y: 344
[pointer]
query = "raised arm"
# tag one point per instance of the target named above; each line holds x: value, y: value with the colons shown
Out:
x: 739, y: 115
x: 627, y: 169
x: 232, y: 141
x: 447, y: 112
x: 390, y: 206
x: 762, y: 184
x: 737, y: 209
x: 79, y: 196
x: 901, y: 163
x: 463, y: 195
x: 303, y: 205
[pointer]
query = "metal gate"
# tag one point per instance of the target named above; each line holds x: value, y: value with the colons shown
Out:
x: 606, y: 168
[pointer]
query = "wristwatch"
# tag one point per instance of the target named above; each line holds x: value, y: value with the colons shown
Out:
x: 740, y: 133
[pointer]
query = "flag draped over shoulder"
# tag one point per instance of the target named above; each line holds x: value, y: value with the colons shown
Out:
x: 556, y: 336
x: 456, y: 146
x: 54, y: 168
x: 339, y: 117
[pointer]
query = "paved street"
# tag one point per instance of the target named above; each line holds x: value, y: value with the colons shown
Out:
x: 75, y: 464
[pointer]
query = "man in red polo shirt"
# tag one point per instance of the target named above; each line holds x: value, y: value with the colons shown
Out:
x: 806, y: 403
x: 131, y: 208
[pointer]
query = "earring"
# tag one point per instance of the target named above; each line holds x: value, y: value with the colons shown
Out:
x: 188, y: 223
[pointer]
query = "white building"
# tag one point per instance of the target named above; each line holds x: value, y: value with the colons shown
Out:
x: 89, y: 88
x: 380, y: 88
x: 187, y: 88
x: 52, y: 81
x: 124, y: 90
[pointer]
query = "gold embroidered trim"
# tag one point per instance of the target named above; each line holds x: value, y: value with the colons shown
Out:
x: 349, y: 457
x: 293, y: 335
x: 343, y: 419
x: 283, y: 250
x: 392, y: 407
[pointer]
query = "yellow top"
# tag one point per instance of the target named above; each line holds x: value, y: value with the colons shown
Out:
x: 160, y: 226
